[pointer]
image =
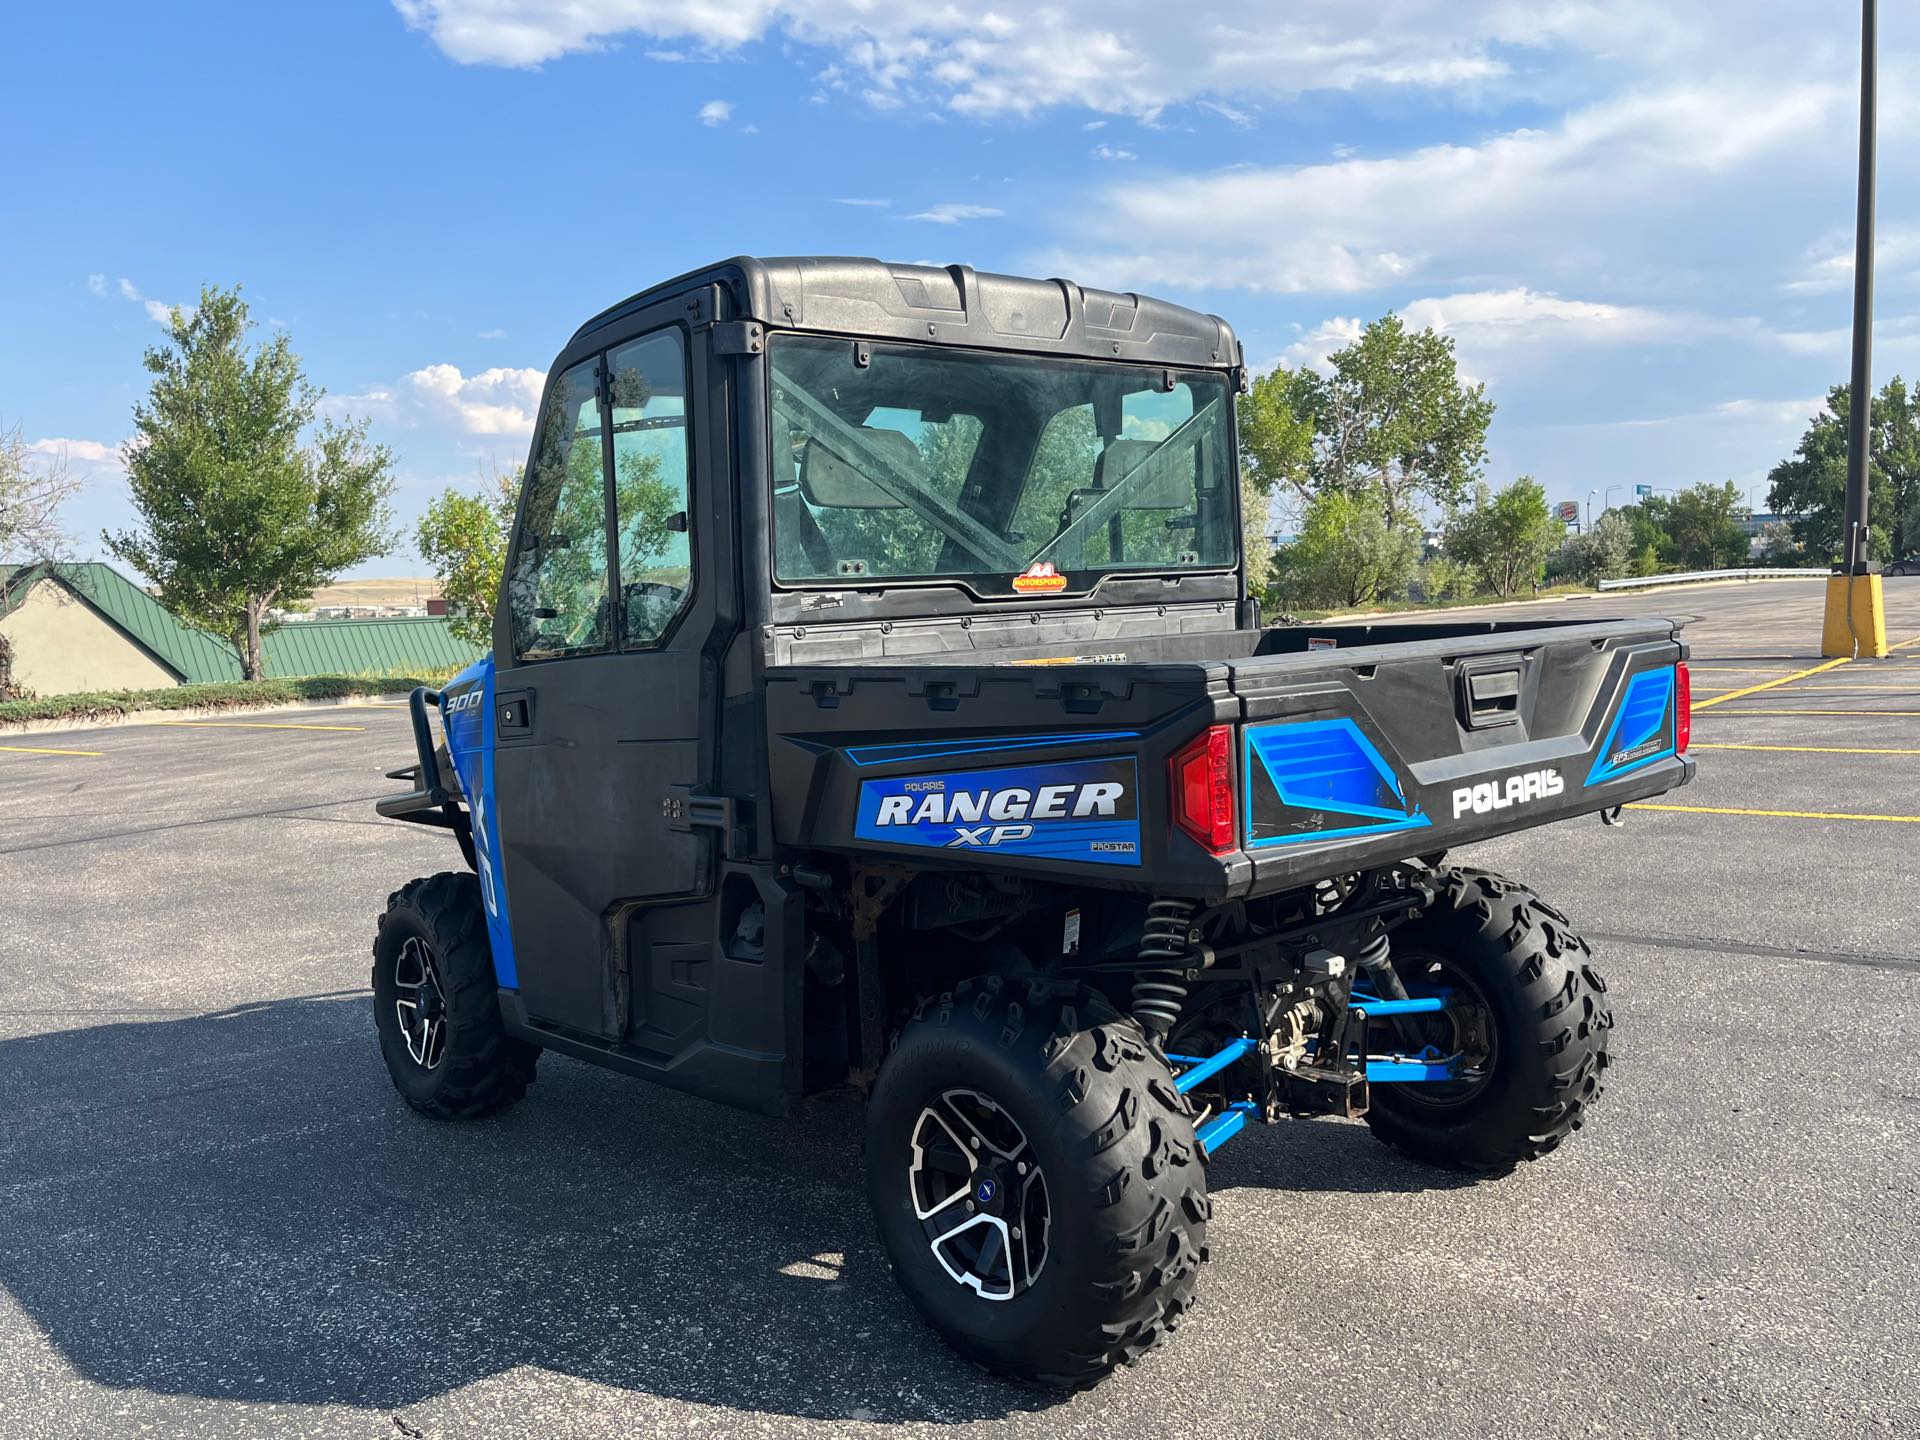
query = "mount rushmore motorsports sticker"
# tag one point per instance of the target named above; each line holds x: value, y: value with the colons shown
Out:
x: 1084, y: 810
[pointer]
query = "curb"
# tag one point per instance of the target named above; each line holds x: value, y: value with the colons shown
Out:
x: 195, y: 712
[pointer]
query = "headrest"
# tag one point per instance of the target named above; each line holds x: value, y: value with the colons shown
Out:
x: 1168, y: 486
x: 833, y: 484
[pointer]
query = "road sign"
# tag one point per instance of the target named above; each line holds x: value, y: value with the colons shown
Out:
x: 1643, y: 490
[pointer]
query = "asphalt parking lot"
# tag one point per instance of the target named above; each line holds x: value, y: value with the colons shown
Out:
x: 217, y: 1219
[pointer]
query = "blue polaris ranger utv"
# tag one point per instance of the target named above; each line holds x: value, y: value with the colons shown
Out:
x: 876, y: 704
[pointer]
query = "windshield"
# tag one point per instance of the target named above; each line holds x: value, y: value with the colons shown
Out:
x: 1015, y: 475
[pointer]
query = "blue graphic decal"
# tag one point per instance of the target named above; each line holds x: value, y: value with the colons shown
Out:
x: 1084, y: 810
x: 1305, y: 776
x: 466, y: 712
x: 865, y: 755
x: 1641, y: 732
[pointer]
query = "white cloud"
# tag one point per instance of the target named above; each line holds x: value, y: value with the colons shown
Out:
x: 499, y: 401
x: 83, y: 454
x: 952, y: 214
x: 494, y: 334
x: 1136, y: 57
x: 96, y: 285
x: 864, y: 204
x: 1109, y: 152
x: 1488, y: 326
x: 716, y: 112
x: 1524, y: 203
x: 157, y: 311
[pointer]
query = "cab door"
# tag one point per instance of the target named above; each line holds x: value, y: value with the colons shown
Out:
x: 601, y: 696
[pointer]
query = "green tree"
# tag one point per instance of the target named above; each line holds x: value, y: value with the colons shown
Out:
x: 1505, y: 538
x: 1702, y: 526
x: 1810, y: 488
x: 1349, y: 553
x: 1652, y: 541
x: 237, y: 513
x: 463, y: 537
x: 1395, y: 421
x: 1276, y: 459
x: 1604, y: 552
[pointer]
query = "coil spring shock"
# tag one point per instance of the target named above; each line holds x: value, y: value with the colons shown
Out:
x: 1160, y: 994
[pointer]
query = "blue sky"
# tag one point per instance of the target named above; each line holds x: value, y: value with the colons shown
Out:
x: 1635, y: 224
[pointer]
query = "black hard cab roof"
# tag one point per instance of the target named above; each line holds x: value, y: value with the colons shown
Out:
x: 954, y: 305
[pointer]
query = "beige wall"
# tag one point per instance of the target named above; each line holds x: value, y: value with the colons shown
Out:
x: 61, y: 645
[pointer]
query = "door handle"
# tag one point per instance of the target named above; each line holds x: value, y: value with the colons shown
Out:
x: 513, y: 712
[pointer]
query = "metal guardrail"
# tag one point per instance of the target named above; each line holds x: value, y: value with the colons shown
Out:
x: 1636, y: 582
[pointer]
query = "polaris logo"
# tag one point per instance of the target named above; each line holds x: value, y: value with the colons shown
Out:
x: 1522, y: 789
x: 1014, y: 802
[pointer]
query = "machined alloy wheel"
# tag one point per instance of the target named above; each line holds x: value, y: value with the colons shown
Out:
x: 420, y: 1003
x: 979, y: 1195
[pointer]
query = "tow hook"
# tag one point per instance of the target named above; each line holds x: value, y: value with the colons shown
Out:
x: 1613, y: 816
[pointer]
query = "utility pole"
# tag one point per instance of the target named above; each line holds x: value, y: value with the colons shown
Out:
x: 1855, y: 620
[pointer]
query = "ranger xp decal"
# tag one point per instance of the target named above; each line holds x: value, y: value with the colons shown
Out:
x: 1086, y: 810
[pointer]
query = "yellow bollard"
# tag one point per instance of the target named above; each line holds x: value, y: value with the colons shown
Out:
x: 1865, y: 633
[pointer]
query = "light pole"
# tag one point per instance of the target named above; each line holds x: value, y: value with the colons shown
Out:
x: 1590, y: 495
x: 1856, y: 619
x: 1606, y: 503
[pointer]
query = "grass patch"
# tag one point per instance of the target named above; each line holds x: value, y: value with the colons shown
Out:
x: 227, y: 695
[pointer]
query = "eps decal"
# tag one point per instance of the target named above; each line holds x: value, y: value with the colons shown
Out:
x: 1084, y: 810
x: 1642, y: 731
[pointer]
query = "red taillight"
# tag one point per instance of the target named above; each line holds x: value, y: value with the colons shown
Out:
x: 1682, y: 708
x: 1202, y: 783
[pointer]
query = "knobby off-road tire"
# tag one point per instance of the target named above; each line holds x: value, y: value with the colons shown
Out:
x: 1124, y: 1182
x: 431, y: 953
x: 1549, y: 1016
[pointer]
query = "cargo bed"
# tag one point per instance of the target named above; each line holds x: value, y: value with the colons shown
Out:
x: 1352, y: 745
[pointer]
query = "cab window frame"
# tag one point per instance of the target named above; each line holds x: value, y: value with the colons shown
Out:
x: 615, y: 640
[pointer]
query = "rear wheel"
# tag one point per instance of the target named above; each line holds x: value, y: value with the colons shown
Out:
x: 436, y: 1007
x: 1528, y: 1017
x: 1036, y: 1180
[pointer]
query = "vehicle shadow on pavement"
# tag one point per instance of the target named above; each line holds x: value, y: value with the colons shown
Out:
x: 237, y: 1206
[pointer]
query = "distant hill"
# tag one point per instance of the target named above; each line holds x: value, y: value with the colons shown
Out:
x: 401, y: 590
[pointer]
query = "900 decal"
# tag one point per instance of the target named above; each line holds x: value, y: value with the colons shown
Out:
x: 1085, y: 810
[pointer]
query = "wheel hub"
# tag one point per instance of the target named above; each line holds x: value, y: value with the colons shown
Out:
x: 420, y: 1004
x: 979, y: 1195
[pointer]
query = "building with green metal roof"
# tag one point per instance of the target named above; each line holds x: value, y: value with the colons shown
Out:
x: 80, y: 627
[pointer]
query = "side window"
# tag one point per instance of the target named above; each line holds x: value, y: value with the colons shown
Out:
x: 557, y: 595
x: 650, y: 483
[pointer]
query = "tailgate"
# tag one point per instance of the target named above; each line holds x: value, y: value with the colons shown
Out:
x: 1354, y: 757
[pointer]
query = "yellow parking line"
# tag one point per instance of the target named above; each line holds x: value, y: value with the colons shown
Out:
x: 1809, y: 749
x: 39, y: 750
x: 1773, y: 814
x: 1770, y: 684
x: 251, y: 725
x: 1733, y: 669
x: 1729, y: 714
